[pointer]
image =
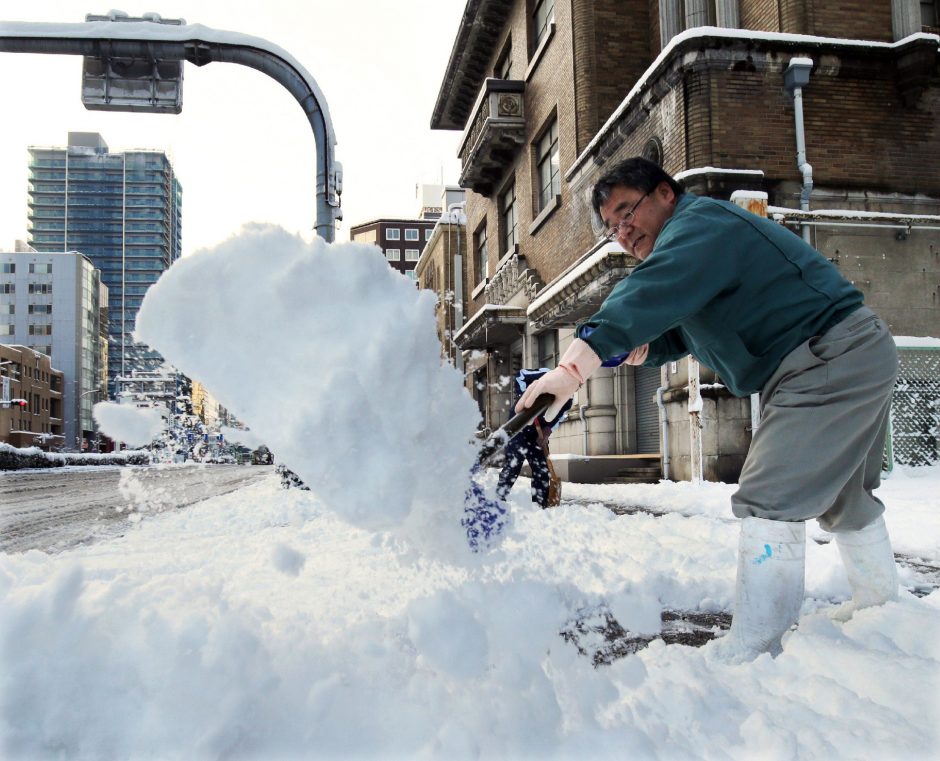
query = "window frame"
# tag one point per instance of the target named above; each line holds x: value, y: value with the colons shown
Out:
x: 509, y: 234
x: 393, y: 254
x: 481, y: 259
x: 503, y: 67
x: 934, y: 5
x: 548, y: 155
x: 548, y: 356
x: 408, y: 234
x: 390, y: 236
x: 540, y: 29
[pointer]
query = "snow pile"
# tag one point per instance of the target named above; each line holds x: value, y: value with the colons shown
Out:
x: 259, y: 625
x: 332, y: 359
x: 134, y: 426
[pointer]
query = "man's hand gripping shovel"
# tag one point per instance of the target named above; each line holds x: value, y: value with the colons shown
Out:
x: 485, y: 517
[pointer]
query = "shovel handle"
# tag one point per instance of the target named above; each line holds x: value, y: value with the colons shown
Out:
x: 497, y: 440
x: 521, y: 419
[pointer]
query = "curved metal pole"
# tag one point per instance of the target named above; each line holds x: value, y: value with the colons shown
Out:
x: 199, y: 45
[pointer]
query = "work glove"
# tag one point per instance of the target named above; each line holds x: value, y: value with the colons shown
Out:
x: 578, y: 362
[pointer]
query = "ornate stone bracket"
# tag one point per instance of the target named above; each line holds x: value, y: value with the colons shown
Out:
x: 512, y: 276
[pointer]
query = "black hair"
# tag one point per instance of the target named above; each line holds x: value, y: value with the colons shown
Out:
x: 637, y: 173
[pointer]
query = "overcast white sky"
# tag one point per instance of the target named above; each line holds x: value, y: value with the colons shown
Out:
x: 242, y: 146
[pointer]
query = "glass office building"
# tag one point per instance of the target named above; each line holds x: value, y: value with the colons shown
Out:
x: 122, y: 211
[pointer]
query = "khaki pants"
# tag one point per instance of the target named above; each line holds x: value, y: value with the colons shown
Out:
x: 818, y: 450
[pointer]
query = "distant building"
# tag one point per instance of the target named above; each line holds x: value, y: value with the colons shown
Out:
x: 443, y: 268
x: 208, y: 409
x: 123, y: 211
x: 434, y: 200
x: 30, y: 399
x: 54, y: 304
x: 401, y: 240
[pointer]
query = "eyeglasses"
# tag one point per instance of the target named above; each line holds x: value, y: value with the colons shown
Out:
x: 626, y: 219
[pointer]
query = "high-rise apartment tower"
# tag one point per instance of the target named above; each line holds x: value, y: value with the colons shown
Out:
x: 122, y: 211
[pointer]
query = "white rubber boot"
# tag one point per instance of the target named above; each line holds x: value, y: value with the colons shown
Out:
x: 869, y: 564
x: 768, y: 591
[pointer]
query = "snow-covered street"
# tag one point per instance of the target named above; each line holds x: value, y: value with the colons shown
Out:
x: 59, y: 508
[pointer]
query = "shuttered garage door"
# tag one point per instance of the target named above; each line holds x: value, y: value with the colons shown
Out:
x: 645, y: 383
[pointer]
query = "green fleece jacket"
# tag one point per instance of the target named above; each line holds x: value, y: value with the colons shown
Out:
x: 736, y: 291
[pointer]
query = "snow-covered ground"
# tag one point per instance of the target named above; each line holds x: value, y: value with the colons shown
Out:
x: 351, y: 621
x: 260, y: 625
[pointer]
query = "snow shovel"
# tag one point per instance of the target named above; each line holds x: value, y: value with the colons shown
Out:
x: 484, y: 518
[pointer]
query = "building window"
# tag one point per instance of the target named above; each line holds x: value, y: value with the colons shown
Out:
x: 7, y: 308
x: 412, y: 254
x: 43, y: 268
x: 427, y: 233
x: 410, y: 274
x: 393, y: 233
x: 548, y: 349
x: 548, y: 165
x: 503, y: 68
x: 6, y: 329
x: 480, y: 256
x: 393, y: 254
x: 678, y: 15
x: 7, y: 288
x: 8, y: 268
x: 411, y: 233
x: 39, y: 309
x: 40, y: 288
x: 930, y: 13
x: 543, y: 16
x: 365, y: 237
x: 40, y: 330
x: 507, y: 211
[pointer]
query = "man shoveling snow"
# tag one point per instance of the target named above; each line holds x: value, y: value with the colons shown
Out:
x: 768, y: 313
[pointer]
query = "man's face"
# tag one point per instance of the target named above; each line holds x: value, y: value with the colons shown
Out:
x: 638, y: 234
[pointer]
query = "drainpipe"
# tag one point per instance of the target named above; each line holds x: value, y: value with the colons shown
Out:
x: 696, y: 455
x: 795, y: 78
x: 583, y: 405
x: 453, y: 209
x: 664, y: 424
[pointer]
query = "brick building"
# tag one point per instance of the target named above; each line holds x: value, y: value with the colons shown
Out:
x: 30, y: 399
x: 550, y: 95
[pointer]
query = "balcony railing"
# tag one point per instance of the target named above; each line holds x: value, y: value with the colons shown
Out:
x: 495, y: 133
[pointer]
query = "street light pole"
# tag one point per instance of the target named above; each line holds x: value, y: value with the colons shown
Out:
x: 150, y: 41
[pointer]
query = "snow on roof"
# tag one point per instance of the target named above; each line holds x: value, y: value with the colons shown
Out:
x: 699, y: 170
x: 853, y: 214
x: 147, y: 30
x: 454, y: 216
x: 760, y: 195
x: 731, y: 34
x: 482, y: 313
x: 576, y: 271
